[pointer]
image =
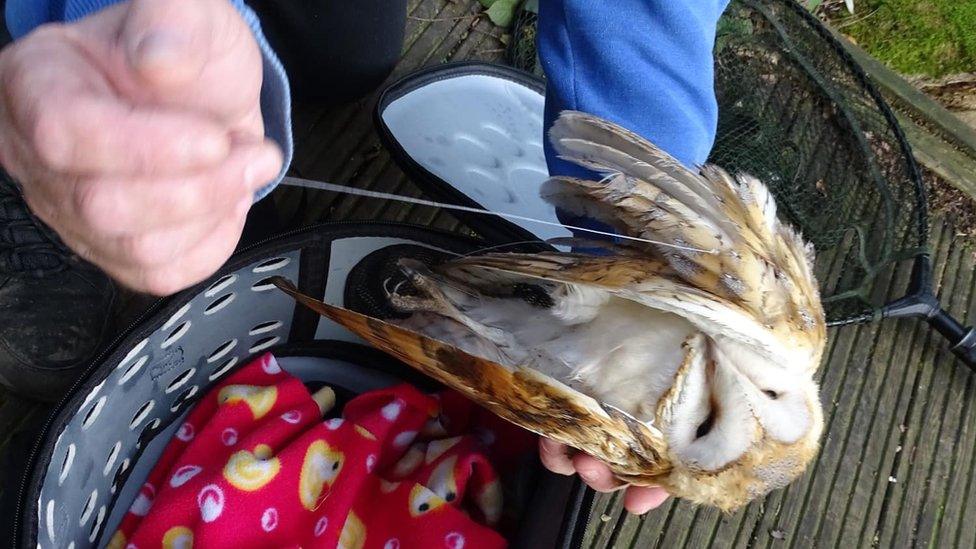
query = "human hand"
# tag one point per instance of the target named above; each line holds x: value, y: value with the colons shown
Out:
x: 136, y: 134
x: 557, y: 458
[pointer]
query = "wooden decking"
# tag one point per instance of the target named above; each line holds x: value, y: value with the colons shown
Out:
x: 898, y: 458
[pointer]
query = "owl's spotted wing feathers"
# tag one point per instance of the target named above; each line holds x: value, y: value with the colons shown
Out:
x: 518, y: 394
x: 710, y: 334
x: 720, y: 233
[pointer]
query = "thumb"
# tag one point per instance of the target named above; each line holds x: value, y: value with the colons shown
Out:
x: 167, y: 42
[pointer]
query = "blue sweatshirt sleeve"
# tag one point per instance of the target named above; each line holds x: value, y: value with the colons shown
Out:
x: 644, y: 64
x: 24, y: 15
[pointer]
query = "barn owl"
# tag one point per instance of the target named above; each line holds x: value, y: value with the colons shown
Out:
x: 685, y: 360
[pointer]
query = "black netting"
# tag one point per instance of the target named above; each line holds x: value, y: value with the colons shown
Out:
x: 797, y: 112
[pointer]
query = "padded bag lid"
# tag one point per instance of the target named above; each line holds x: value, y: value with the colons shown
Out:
x: 471, y: 134
x: 97, y: 444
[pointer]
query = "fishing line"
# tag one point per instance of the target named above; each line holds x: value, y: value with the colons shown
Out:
x: 323, y: 186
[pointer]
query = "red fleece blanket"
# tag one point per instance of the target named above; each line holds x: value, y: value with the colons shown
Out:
x: 254, y: 465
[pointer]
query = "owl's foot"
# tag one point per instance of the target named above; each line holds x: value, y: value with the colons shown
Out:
x: 431, y: 298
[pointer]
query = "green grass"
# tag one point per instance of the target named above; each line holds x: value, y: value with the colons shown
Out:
x: 929, y: 37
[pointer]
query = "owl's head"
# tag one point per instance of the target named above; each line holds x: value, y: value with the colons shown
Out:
x: 735, y: 432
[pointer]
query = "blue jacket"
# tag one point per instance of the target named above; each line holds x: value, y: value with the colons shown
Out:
x: 646, y: 64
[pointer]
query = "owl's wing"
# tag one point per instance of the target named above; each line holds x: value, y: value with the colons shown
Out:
x: 721, y: 257
x: 633, y: 450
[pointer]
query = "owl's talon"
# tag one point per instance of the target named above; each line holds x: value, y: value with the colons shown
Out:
x: 413, y: 304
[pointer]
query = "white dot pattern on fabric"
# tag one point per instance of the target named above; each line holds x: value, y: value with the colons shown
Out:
x: 270, y: 366
x: 370, y: 463
x: 392, y: 543
x: 320, y: 526
x: 392, y: 410
x: 186, y: 432
x: 211, y: 502
x: 269, y: 519
x: 184, y: 474
x: 229, y: 436
x: 334, y: 423
x: 403, y: 439
x: 454, y: 540
x: 293, y: 417
x: 143, y: 501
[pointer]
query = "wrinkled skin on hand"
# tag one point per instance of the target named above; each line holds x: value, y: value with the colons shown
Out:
x: 136, y: 134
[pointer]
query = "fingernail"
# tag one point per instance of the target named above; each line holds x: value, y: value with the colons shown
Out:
x: 262, y: 169
x: 161, y: 46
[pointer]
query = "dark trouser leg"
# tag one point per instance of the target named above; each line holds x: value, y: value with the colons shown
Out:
x: 334, y: 50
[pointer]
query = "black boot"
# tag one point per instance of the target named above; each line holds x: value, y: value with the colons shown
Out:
x: 54, y: 308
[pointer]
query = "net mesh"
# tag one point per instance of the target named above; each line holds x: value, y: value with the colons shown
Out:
x: 796, y: 111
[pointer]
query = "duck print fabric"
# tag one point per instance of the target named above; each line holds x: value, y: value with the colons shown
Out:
x: 255, y: 465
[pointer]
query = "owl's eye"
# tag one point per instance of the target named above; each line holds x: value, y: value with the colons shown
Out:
x: 450, y: 496
x: 335, y: 465
x: 423, y: 507
x: 771, y: 393
x: 706, y: 426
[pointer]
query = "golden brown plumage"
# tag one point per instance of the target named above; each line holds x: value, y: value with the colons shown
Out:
x: 685, y: 363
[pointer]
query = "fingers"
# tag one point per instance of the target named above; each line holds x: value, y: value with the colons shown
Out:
x: 637, y: 500
x: 168, y: 42
x: 555, y: 457
x: 641, y: 499
x: 117, y: 206
x: 91, y: 134
x: 66, y: 115
x: 197, y: 262
x: 195, y: 54
x: 595, y: 474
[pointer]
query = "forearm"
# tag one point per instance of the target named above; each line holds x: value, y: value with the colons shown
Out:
x: 644, y: 64
x: 25, y: 15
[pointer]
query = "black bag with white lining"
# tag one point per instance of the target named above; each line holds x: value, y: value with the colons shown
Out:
x: 475, y: 142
